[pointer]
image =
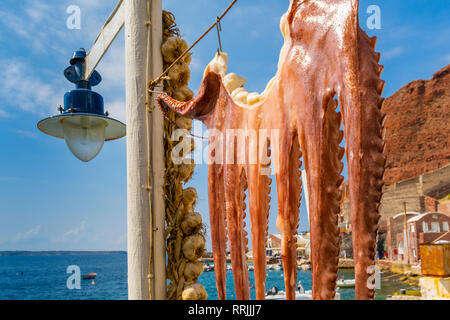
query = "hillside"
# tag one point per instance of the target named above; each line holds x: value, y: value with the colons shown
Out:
x: 418, y: 127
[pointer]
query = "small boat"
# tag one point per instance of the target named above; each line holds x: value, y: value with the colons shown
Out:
x: 275, y: 267
x: 273, y: 260
x: 251, y: 267
x: 281, y: 295
x: 300, y: 294
x: 305, y: 267
x: 208, y: 267
x: 346, y: 283
x: 89, y: 276
x: 278, y: 267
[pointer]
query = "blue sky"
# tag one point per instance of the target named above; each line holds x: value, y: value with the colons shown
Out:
x: 49, y: 200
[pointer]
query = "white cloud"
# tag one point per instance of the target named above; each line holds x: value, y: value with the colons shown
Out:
x: 392, y: 53
x: 122, y: 240
x: 89, y: 4
x: 28, y: 234
x: 112, y: 67
x: 446, y: 59
x: 26, y: 133
x: 197, y: 65
x: 255, y: 34
x: 10, y: 179
x: 117, y: 110
x: 73, y: 234
x: 37, y: 11
x: 24, y: 90
x: 28, y: 26
x: 39, y: 87
x: 243, y: 10
x: 4, y: 114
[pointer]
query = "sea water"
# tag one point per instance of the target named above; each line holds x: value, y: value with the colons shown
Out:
x: 275, y: 278
x: 45, y: 278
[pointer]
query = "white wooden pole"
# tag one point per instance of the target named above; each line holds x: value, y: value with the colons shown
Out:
x: 138, y: 210
x: 158, y: 160
x: 142, y: 198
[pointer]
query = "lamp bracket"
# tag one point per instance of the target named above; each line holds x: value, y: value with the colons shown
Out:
x: 76, y: 73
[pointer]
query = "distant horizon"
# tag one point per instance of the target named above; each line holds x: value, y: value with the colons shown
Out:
x: 10, y: 253
x: 63, y: 250
x: 109, y: 250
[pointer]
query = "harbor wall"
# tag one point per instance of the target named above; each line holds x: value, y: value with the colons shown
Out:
x: 433, y: 288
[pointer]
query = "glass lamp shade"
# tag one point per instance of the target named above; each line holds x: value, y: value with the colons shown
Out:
x: 84, y: 135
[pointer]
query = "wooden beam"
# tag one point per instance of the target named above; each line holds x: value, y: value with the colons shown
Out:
x: 109, y: 32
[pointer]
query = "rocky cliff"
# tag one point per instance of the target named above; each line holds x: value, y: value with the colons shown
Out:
x: 418, y: 127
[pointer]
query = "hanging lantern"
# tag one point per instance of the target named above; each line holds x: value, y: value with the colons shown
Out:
x: 83, y: 124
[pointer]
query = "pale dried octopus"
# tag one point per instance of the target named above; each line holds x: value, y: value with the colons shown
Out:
x: 325, y: 54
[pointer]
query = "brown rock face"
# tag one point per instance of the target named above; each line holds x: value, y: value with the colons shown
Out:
x: 418, y: 127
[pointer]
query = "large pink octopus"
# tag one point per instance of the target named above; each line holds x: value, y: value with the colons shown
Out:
x: 325, y: 54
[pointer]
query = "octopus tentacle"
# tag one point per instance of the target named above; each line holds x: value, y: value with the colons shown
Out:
x: 244, y: 188
x: 218, y: 226
x: 365, y: 155
x: 202, y: 104
x: 289, y: 196
x: 235, y: 217
x: 320, y: 144
x: 268, y: 183
x: 243, y: 211
x: 259, y: 190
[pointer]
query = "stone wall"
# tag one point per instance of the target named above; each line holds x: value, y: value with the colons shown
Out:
x: 444, y: 207
x: 346, y: 245
x: 419, y: 193
x: 433, y: 288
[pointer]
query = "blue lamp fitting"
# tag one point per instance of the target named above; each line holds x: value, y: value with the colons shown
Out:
x: 82, y: 105
x: 82, y: 99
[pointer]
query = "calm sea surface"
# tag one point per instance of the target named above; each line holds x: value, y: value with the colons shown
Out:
x: 45, y: 277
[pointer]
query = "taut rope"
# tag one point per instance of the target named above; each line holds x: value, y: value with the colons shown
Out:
x: 154, y: 82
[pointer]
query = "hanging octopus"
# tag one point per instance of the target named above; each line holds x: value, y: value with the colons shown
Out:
x: 325, y: 54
